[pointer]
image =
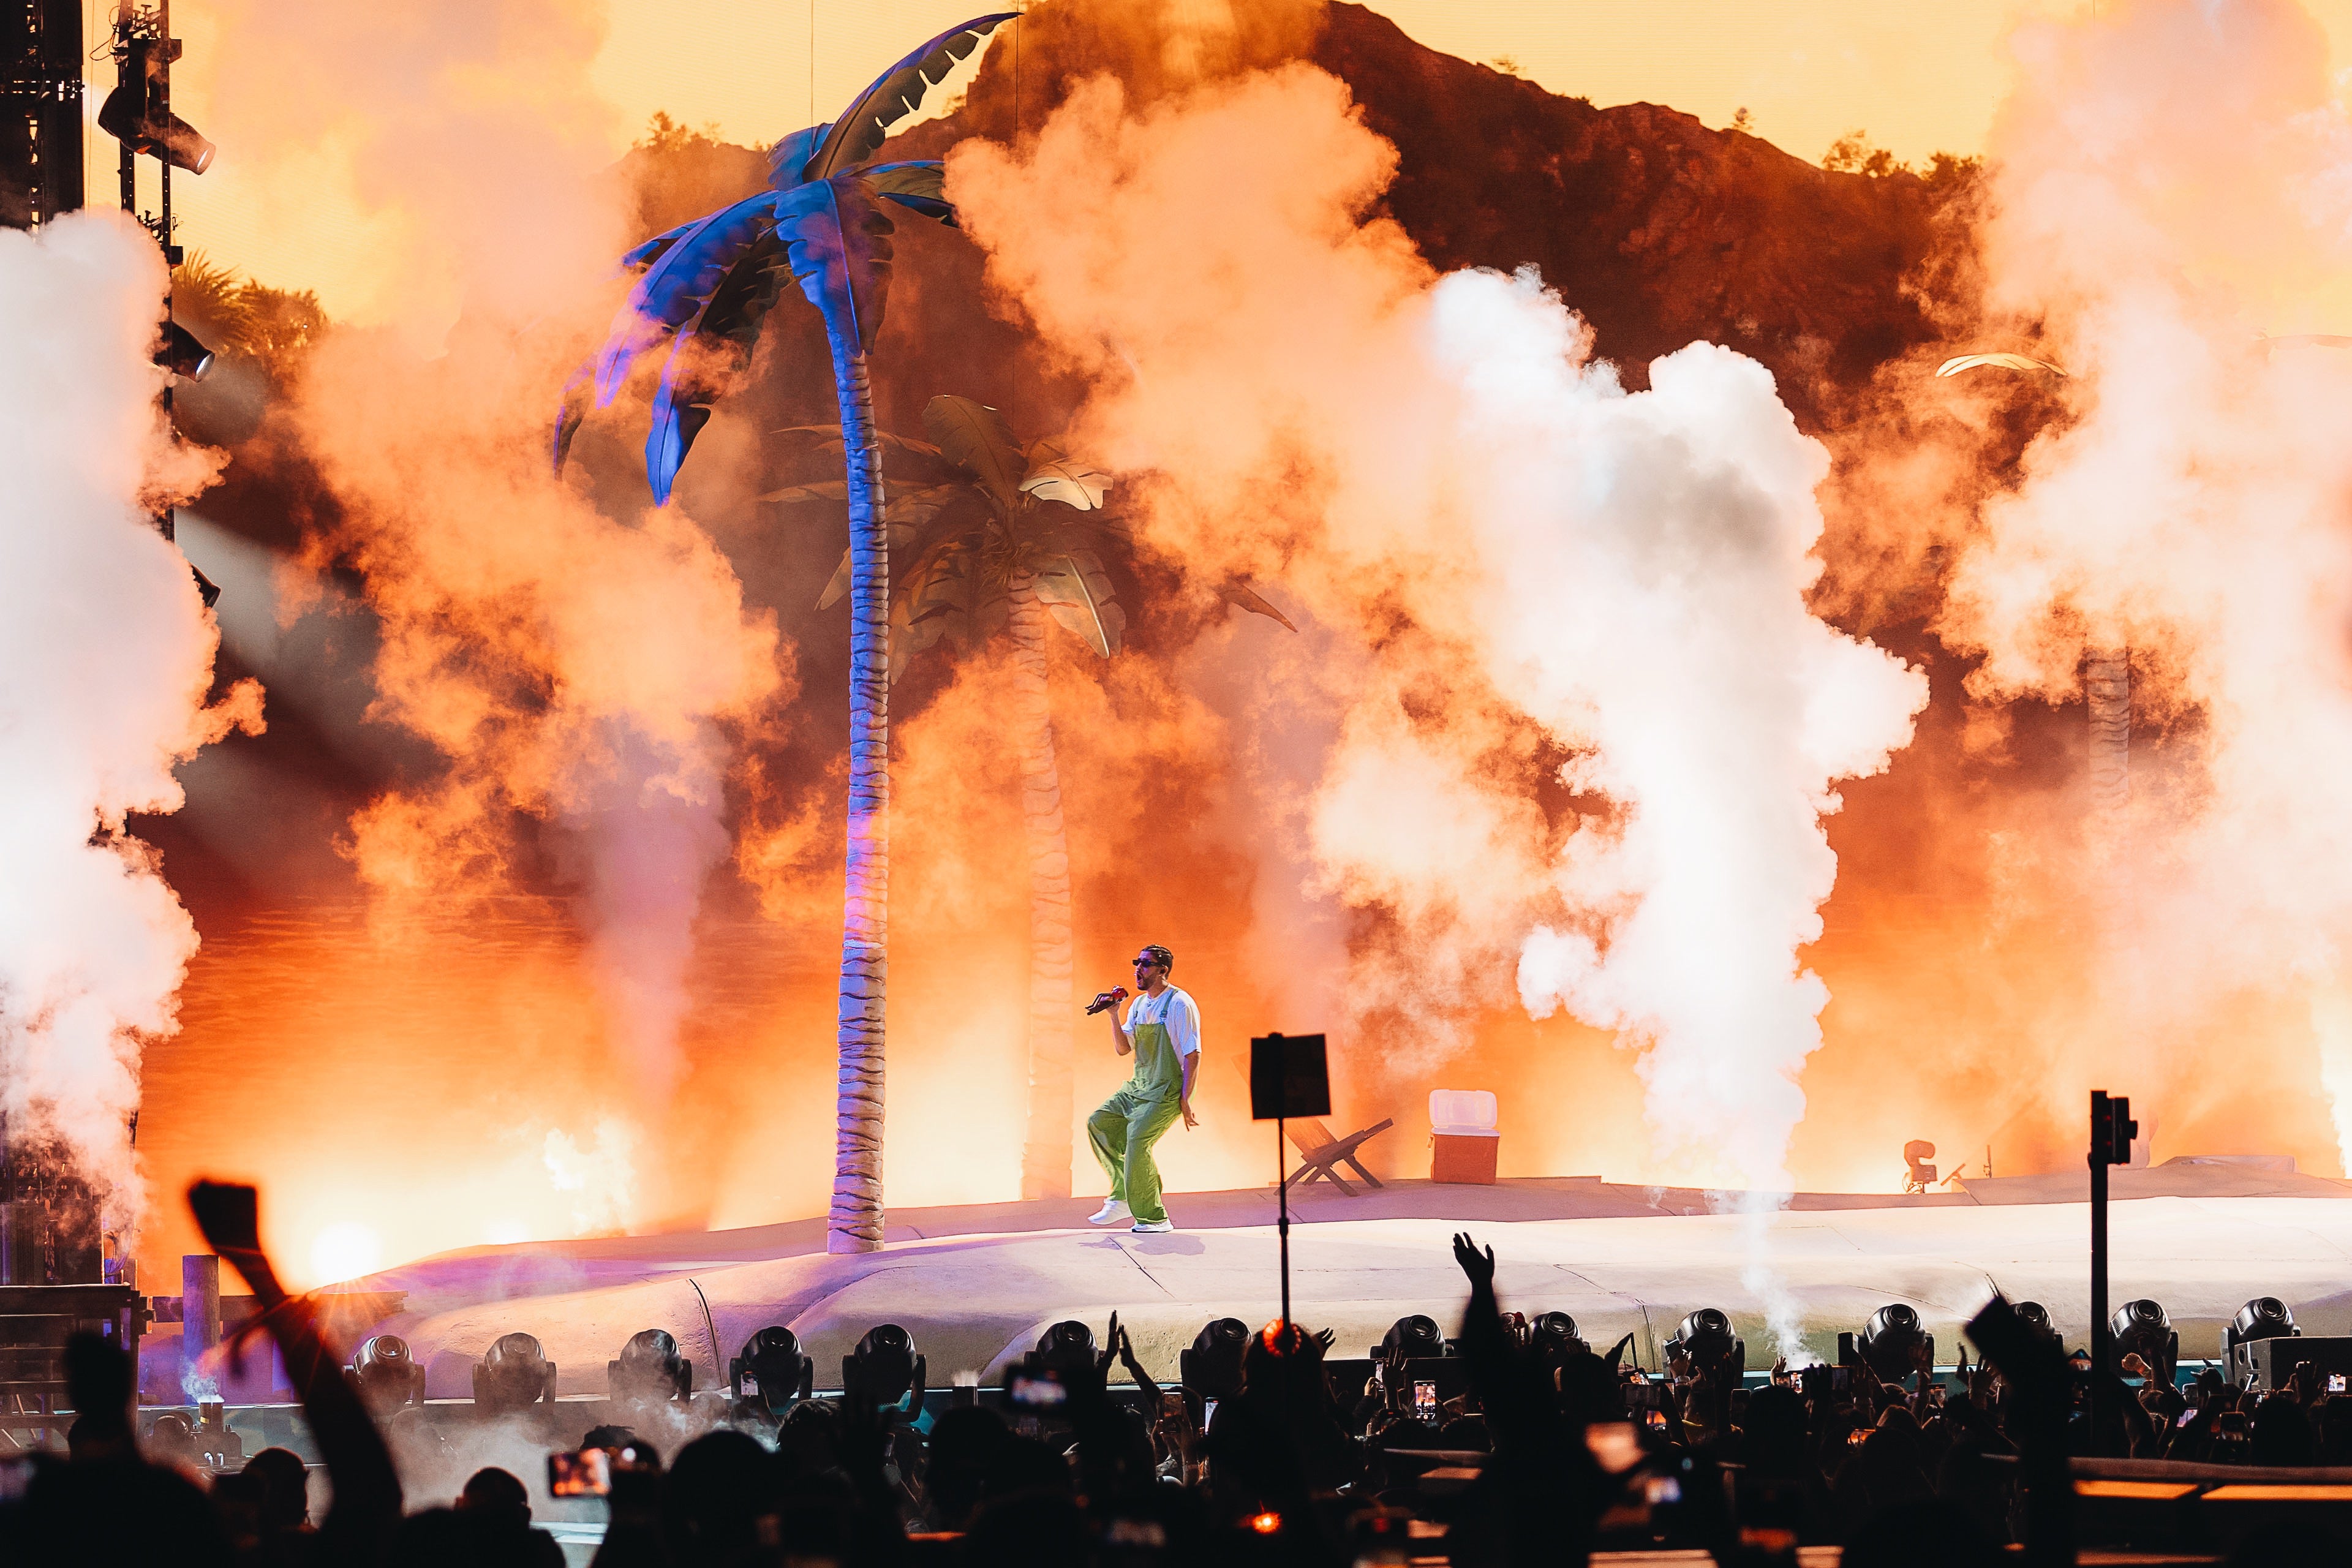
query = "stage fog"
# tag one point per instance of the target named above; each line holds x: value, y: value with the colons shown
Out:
x: 1676, y: 721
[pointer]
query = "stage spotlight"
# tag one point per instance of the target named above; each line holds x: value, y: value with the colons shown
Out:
x: 135, y: 115
x: 772, y: 1371
x: 884, y: 1364
x: 1706, y: 1337
x: 384, y: 1376
x: 2036, y: 1316
x: 514, y: 1374
x: 183, y: 354
x: 1069, y: 1344
x: 649, y: 1370
x: 1891, y: 1343
x: 1211, y: 1367
x: 1416, y: 1337
x: 2142, y: 1327
x: 2263, y: 1318
x: 1554, y: 1337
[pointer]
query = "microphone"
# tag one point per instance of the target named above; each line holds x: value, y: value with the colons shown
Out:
x: 1107, y: 999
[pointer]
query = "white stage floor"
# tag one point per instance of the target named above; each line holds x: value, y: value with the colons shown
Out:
x: 976, y: 1285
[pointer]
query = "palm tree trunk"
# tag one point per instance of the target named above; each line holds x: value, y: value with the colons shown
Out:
x: 1046, y: 1146
x: 2106, y: 689
x: 856, y: 1225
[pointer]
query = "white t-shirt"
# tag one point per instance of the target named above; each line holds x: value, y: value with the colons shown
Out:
x: 1173, y: 1009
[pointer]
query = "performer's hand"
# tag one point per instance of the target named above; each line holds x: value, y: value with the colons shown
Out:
x: 1191, y: 1120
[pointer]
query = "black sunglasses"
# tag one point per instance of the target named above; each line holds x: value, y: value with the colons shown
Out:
x: 1147, y: 963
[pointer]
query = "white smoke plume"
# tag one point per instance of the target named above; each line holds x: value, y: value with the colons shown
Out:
x: 1665, y: 638
x: 598, y: 1178
x: 106, y: 658
x: 1536, y: 563
x: 2174, y: 183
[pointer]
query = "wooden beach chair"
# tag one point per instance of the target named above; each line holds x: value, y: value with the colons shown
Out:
x: 1322, y: 1155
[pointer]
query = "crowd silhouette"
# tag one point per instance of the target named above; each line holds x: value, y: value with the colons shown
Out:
x: 1547, y: 1453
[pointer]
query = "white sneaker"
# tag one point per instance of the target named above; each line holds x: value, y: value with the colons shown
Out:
x: 1152, y: 1226
x: 1111, y: 1213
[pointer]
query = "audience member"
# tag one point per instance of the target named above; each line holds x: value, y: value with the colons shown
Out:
x: 1543, y: 1453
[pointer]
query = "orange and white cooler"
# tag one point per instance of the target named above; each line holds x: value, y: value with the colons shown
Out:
x: 1463, y: 1139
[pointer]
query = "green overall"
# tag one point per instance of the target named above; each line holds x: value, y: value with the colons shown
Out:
x: 1131, y: 1120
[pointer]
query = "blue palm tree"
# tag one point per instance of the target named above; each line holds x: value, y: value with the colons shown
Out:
x: 704, y: 288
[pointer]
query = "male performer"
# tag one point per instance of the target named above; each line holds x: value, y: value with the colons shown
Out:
x: 1163, y: 1032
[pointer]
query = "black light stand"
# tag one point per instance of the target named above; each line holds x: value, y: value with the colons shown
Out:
x: 1282, y: 1225
x: 2112, y: 1131
x: 1291, y: 1075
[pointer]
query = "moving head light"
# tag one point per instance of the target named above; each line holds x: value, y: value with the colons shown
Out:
x: 2263, y: 1318
x: 1414, y: 1336
x: 1211, y: 1367
x: 384, y: 1376
x: 1067, y: 1345
x: 2141, y: 1328
x: 1706, y: 1337
x: 884, y: 1365
x: 649, y: 1370
x: 513, y: 1374
x: 1554, y: 1337
x: 1893, y: 1341
x: 772, y: 1371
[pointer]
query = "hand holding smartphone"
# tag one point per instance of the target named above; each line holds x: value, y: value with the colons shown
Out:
x: 582, y: 1472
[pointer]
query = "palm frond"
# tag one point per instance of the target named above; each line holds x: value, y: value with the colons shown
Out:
x: 1068, y: 481
x: 678, y: 284
x: 705, y: 357
x: 1077, y: 592
x: 1999, y: 362
x: 895, y: 94
x: 788, y: 159
x: 1237, y: 591
x: 975, y: 438
x: 918, y: 185
x: 839, y: 243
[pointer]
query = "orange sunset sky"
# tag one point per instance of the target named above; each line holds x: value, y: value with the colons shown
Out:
x: 1918, y: 78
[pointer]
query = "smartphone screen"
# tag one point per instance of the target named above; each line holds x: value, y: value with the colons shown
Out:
x: 2335, y: 1383
x: 1208, y: 1413
x: 1615, y: 1444
x: 584, y: 1472
x: 1424, y: 1397
x: 2187, y: 1416
x: 1037, y: 1393
x: 1858, y: 1436
x: 1654, y: 1419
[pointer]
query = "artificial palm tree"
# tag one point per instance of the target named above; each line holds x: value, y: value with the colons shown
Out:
x: 991, y: 537
x: 706, y: 287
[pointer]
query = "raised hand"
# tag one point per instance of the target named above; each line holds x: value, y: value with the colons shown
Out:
x: 1479, y: 1266
x: 229, y: 1217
